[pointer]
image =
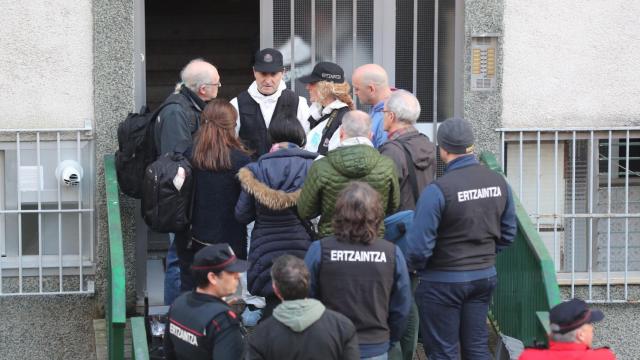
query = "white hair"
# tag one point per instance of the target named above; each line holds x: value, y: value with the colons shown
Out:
x: 569, y: 337
x: 193, y: 75
x: 356, y: 123
x: 405, y: 106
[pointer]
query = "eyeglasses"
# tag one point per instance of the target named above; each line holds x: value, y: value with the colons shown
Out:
x: 387, y: 111
x: 219, y: 84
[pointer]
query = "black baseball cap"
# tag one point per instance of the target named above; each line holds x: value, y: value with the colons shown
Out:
x: 268, y: 60
x: 324, y: 71
x: 455, y: 135
x: 572, y: 314
x: 218, y: 257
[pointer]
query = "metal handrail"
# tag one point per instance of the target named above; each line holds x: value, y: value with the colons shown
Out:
x: 115, y: 307
x: 140, y: 348
x: 527, y: 285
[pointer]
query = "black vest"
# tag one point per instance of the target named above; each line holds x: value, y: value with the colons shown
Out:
x: 253, y: 131
x: 189, y: 318
x: 356, y: 280
x: 475, y: 198
x: 335, y: 120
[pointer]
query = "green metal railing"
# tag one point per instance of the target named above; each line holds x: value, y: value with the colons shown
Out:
x: 115, y: 308
x: 140, y: 348
x: 527, y: 286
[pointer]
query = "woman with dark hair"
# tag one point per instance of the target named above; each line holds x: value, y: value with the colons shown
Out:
x: 270, y: 190
x: 362, y: 276
x: 216, y: 157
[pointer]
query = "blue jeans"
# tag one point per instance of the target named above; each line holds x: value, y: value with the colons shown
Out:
x: 453, y: 316
x: 172, y: 273
x: 377, y: 357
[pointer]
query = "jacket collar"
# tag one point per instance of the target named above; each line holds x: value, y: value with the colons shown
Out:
x: 402, y: 131
x: 195, y: 100
x: 359, y: 140
x: 264, y: 99
x: 462, y: 161
x: 562, y: 346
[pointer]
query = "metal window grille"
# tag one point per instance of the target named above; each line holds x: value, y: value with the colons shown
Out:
x: 581, y: 187
x: 310, y: 31
x: 46, y: 211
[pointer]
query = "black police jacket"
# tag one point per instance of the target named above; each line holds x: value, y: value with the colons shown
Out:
x: 202, y: 326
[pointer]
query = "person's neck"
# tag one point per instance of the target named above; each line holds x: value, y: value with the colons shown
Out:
x: 397, y: 127
x: 209, y: 290
x: 383, y: 96
x: 327, y: 101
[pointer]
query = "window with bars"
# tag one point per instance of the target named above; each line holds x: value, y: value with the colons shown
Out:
x: 46, y: 212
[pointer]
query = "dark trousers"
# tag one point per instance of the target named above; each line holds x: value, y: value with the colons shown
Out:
x: 453, y: 316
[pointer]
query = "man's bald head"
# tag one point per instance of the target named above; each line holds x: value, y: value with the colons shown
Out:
x: 202, y: 78
x: 356, y: 123
x: 371, y: 83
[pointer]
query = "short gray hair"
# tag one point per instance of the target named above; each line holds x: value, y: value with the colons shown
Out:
x: 194, y: 75
x: 356, y: 123
x: 405, y: 106
x: 569, y: 337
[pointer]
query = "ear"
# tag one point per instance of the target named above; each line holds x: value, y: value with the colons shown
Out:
x: 276, y: 290
x: 370, y: 135
x: 341, y: 133
x: 213, y: 279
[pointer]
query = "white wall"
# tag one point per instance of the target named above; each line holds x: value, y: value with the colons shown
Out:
x: 46, y: 64
x: 571, y: 63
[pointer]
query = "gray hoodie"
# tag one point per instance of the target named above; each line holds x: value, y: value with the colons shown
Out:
x: 299, y: 314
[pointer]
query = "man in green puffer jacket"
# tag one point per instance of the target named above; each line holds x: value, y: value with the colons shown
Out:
x: 354, y: 160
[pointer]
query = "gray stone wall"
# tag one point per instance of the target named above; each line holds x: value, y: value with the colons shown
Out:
x: 114, y: 98
x: 619, y: 329
x: 484, y: 108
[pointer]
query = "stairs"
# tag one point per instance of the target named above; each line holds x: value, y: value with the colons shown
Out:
x: 225, y: 33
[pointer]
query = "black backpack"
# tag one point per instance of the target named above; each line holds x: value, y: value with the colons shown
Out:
x: 136, y: 149
x: 165, y: 208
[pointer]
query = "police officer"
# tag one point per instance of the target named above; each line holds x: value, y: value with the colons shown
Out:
x: 265, y: 98
x: 201, y: 325
x: 360, y: 275
x: 462, y: 219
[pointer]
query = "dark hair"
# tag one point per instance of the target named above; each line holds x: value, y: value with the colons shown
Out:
x: 358, y: 214
x: 201, y: 277
x: 286, y: 128
x: 291, y: 277
x: 216, y: 137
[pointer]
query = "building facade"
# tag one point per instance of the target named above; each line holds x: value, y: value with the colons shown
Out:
x: 551, y: 88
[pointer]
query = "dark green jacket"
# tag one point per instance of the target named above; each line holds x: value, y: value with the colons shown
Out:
x: 329, y: 175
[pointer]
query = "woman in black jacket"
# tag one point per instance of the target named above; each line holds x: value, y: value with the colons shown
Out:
x: 270, y: 190
x: 216, y: 157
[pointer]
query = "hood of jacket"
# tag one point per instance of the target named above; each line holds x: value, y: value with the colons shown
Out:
x: 276, y: 178
x: 354, y: 161
x: 422, y: 153
x: 298, y: 315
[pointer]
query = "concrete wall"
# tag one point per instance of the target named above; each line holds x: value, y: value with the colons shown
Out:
x: 571, y: 63
x: 89, y: 73
x: 46, y: 64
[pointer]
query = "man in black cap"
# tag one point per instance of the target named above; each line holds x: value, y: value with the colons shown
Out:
x: 462, y: 220
x: 571, y: 334
x: 330, y: 101
x: 201, y: 325
x: 266, y: 97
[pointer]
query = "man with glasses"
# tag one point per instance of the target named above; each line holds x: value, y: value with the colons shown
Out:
x: 266, y: 97
x: 176, y: 123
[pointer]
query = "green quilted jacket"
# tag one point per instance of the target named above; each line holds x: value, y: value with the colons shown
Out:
x: 329, y: 175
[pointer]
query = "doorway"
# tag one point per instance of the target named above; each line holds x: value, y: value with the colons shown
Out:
x: 225, y: 33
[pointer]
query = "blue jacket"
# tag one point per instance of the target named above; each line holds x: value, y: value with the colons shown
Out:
x: 399, y: 304
x: 422, y: 236
x: 377, y: 125
x: 270, y: 191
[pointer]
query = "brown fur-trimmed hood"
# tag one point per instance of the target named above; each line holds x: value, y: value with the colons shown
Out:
x: 273, y: 199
